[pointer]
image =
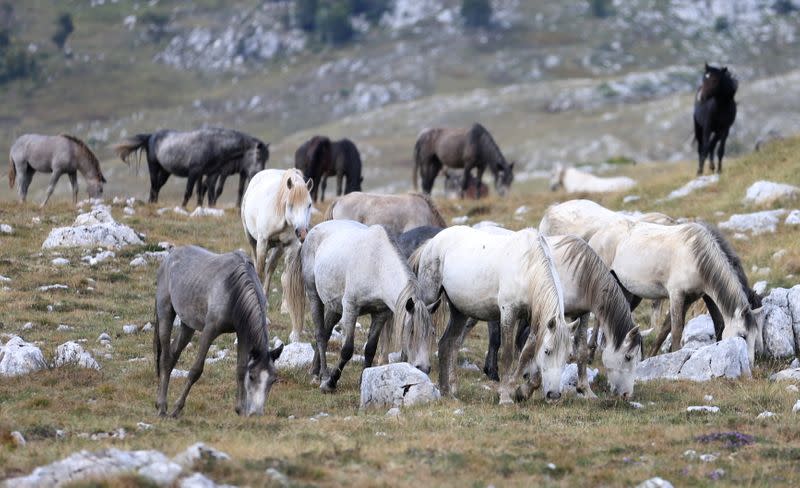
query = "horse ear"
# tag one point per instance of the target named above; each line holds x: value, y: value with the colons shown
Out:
x: 410, y: 305
x: 435, y: 305
x: 310, y: 184
x: 646, y: 332
x: 707, y: 67
x: 725, y: 69
x: 103, y: 179
x: 276, y: 353
x: 573, y: 325
x: 633, y: 332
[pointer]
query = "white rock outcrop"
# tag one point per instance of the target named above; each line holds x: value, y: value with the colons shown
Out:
x: 93, y: 229
x: 396, y: 385
x: 296, y: 355
x: 764, y: 193
x: 756, y: 223
x: 727, y: 358
x: 72, y: 353
x: 199, y: 452
x: 696, y: 184
x: 569, y: 378
x: 790, y: 374
x: 781, y: 331
x: 18, y: 357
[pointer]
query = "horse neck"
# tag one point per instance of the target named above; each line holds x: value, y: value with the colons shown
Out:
x: 88, y: 169
x: 612, y: 310
x: 390, y: 286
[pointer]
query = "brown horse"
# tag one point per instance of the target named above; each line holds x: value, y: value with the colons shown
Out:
x: 313, y: 158
x: 58, y: 155
x: 463, y: 148
x: 319, y: 157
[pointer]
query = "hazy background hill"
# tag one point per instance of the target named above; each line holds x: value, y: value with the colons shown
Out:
x: 575, y: 81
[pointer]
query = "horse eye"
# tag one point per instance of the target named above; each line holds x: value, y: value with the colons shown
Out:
x: 628, y: 357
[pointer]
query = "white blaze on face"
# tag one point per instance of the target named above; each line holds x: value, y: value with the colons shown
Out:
x: 256, y: 385
x: 551, y: 361
x: 299, y: 217
x: 620, y: 366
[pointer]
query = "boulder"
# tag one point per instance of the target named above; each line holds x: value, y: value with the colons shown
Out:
x: 6, y: 229
x: 755, y: 223
x: 396, y: 385
x: 72, y: 353
x: 763, y: 193
x: 85, y: 465
x: 777, y: 333
x: 98, y: 258
x: 727, y: 358
x: 793, y: 303
x: 663, y: 366
x: 162, y: 473
x: 92, y: 229
x: 296, y: 355
x: 698, y: 332
x: 793, y: 218
x: 791, y: 374
x: 569, y: 378
x: 696, y: 184
x: 199, y: 452
x: 18, y: 357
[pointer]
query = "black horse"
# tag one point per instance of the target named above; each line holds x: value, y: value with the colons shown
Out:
x: 195, y: 154
x: 238, y: 166
x: 714, y: 114
x: 319, y: 157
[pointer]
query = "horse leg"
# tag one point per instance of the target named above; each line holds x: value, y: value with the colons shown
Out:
x: 272, y: 263
x: 208, y: 336
x: 507, y: 355
x: 339, y: 178
x: 156, y: 179
x: 52, y: 185
x: 490, y: 363
x: 712, y: 145
x: 202, y: 186
x: 677, y: 310
x: 164, y: 363
x: 723, y: 138
x: 73, y: 181
x: 375, y: 329
x: 446, y: 343
x: 262, y: 248
x: 349, y: 325
x: 243, y: 180
x: 185, y: 334
x: 190, y: 182
x: 242, y: 357
x: 429, y: 175
x: 702, y: 150
x: 323, y: 184
x: 25, y: 181
x: 323, y: 337
x: 479, y: 182
x: 583, y: 388
x: 318, y: 317
x: 716, y: 316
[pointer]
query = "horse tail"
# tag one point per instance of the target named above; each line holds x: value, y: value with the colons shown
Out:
x: 295, y: 290
x: 417, y: 161
x: 132, y: 145
x: 12, y: 172
x: 329, y: 212
x: 157, y: 343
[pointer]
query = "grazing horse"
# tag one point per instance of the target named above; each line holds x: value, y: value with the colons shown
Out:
x: 58, y: 155
x: 194, y: 154
x: 714, y: 114
x: 347, y: 269
x: 453, y: 183
x: 683, y: 263
x: 276, y: 213
x: 398, y: 213
x: 236, y: 166
x: 319, y: 158
x: 505, y: 278
x: 465, y: 148
x: 576, y: 181
x: 213, y: 294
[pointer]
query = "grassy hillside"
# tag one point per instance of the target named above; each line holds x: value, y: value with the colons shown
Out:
x: 603, y: 442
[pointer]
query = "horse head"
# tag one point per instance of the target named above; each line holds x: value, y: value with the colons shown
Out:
x: 258, y: 381
x: 503, y: 178
x: 296, y: 200
x: 256, y: 158
x: 621, y: 362
x: 747, y: 324
x: 95, y: 186
x: 417, y: 330
x: 717, y: 82
x: 553, y: 348
x: 557, y: 177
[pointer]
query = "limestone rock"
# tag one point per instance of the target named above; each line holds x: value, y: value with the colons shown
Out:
x: 791, y: 374
x: 396, y: 385
x: 663, y: 366
x: 18, y: 357
x: 569, y: 377
x: 197, y: 452
x: 764, y: 193
x: 296, y: 355
x: 727, y: 358
x: 72, y: 353
x: 93, y: 229
x: 755, y: 223
x: 655, y: 483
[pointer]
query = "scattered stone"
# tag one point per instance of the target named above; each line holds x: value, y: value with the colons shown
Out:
x: 522, y: 210
x: 207, y: 212
x: 98, y: 258
x: 702, y: 408
x: 569, y: 378
x: 4, y: 279
x: 72, y: 353
x: 636, y: 405
x: 130, y: 328
x: 470, y: 366
x: 6, y: 229
x: 396, y: 385
x: 793, y: 218
x: 631, y: 198
x: 791, y: 374
x: 765, y: 415
x: 756, y: 223
x: 696, y: 184
x: 177, y: 210
x: 708, y: 398
x: 393, y: 412
x: 165, y: 245
x: 218, y: 356
x: 18, y: 439
x: 18, y: 357
x: 690, y: 454
x: 779, y: 254
x: 197, y: 452
x: 93, y: 229
x: 179, y: 373
x: 129, y: 211
x: 551, y: 466
x: 138, y: 261
x: 655, y: 483
x: 60, y: 262
x: 162, y: 473
x: 709, y: 458
x: 147, y: 327
x: 458, y: 411
x: 199, y: 480
x: 459, y: 220
x: 765, y: 193
x: 296, y: 355
x: 103, y: 337
x: 277, y: 476
x: 717, y: 474
x: 64, y: 327
x: 143, y: 426
x: 57, y: 286
x: 27, y: 326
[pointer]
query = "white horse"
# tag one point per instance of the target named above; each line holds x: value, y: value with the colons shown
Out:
x: 583, y: 218
x: 506, y: 278
x: 346, y: 269
x: 276, y: 212
x: 576, y: 181
x: 683, y: 263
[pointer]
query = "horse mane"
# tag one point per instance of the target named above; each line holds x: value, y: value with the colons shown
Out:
x: 487, y: 147
x: 596, y: 281
x: 87, y: 152
x: 716, y: 269
x: 249, y: 308
x: 437, y: 217
x: 546, y: 295
x: 296, y: 194
x: 735, y: 262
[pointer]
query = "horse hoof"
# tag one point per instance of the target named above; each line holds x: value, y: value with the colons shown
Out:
x: 586, y: 394
x: 326, y: 387
x: 315, y: 379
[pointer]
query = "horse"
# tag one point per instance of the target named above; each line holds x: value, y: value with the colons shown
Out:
x: 276, y: 214
x: 499, y: 277
x: 398, y: 213
x: 346, y: 269
x: 319, y: 158
x: 194, y: 154
x: 714, y: 114
x: 576, y: 181
x: 453, y: 183
x: 313, y: 158
x: 59, y: 154
x: 465, y: 148
x: 235, y: 166
x: 213, y: 294
x: 682, y: 262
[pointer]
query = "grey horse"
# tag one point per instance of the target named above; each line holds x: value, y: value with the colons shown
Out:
x: 57, y: 155
x: 213, y: 294
x: 195, y: 154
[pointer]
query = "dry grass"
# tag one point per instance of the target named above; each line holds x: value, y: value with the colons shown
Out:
x: 605, y: 442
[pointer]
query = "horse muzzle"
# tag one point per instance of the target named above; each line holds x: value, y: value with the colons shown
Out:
x: 301, y: 234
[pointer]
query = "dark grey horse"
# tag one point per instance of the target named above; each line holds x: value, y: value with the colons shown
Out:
x: 319, y: 157
x: 213, y: 294
x: 58, y: 155
x: 194, y: 154
x: 714, y: 114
